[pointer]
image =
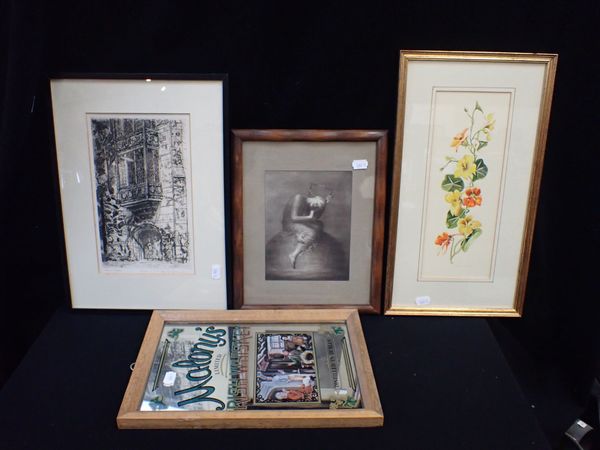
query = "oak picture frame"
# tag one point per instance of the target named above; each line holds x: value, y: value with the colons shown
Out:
x: 432, y: 83
x: 369, y: 415
x: 328, y: 150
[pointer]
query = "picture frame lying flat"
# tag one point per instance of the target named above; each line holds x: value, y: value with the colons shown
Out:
x: 252, y: 369
x: 471, y: 136
x: 141, y: 176
x: 308, y: 218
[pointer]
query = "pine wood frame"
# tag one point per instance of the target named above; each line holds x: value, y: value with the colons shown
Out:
x: 550, y: 62
x: 373, y: 304
x: 370, y: 415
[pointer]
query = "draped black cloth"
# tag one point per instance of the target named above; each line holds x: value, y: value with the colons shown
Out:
x: 314, y: 65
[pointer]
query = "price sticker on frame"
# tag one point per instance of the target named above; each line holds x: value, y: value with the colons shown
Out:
x: 360, y: 164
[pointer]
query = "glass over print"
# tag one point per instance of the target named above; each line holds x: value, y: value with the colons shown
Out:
x: 140, y: 163
x: 471, y: 134
x: 308, y: 218
x: 143, y: 192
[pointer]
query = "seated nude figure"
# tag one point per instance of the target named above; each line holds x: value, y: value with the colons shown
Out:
x: 301, y: 217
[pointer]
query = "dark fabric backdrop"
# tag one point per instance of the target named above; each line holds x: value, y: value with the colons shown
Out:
x: 303, y: 65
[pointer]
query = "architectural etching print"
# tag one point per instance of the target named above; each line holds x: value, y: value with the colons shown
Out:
x: 142, y: 192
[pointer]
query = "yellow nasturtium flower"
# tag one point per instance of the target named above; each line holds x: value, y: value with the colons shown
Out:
x: 490, y: 122
x: 465, y: 167
x: 455, y: 203
x: 467, y: 225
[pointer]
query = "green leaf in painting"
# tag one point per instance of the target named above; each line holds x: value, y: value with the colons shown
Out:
x: 465, y: 244
x: 478, y: 107
x: 481, y: 145
x: 451, y: 183
x: 481, y: 170
x: 451, y: 220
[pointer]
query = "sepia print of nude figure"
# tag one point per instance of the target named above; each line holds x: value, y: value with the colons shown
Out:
x: 301, y: 217
x: 306, y: 247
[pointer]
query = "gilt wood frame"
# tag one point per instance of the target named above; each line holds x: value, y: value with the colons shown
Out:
x: 515, y: 309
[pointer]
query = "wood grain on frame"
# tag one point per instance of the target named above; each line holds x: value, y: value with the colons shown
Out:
x: 373, y: 304
x: 370, y: 415
x: 550, y: 62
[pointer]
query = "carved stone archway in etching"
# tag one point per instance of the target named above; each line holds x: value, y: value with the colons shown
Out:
x: 149, y: 242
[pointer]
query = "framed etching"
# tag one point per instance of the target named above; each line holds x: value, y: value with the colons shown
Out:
x: 308, y: 214
x: 140, y: 164
x: 242, y: 369
x: 470, y: 145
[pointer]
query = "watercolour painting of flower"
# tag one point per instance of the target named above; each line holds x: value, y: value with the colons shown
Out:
x: 464, y: 168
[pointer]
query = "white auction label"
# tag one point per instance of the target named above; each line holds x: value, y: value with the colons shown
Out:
x: 360, y: 164
x: 215, y: 271
x: 169, y: 379
x: 423, y: 300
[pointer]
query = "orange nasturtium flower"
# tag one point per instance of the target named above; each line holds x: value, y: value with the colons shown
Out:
x: 458, y: 139
x: 443, y: 240
x: 472, y: 197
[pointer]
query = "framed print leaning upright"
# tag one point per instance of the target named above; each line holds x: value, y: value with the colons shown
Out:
x: 470, y: 141
x: 308, y: 215
x: 140, y: 165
